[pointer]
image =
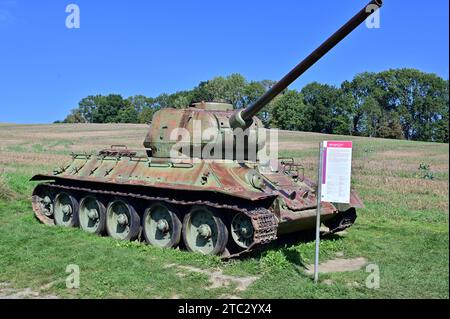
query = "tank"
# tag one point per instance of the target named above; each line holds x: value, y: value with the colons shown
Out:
x: 185, y: 188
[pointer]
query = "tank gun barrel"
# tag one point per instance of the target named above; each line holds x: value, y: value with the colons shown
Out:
x: 243, y: 118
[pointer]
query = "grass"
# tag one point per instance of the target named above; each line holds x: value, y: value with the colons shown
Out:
x: 5, y: 192
x: 403, y: 228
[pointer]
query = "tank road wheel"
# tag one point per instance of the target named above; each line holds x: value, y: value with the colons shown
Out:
x: 66, y: 210
x: 92, y: 215
x: 122, y: 221
x: 161, y: 226
x: 43, y: 204
x: 242, y: 230
x: 204, y: 231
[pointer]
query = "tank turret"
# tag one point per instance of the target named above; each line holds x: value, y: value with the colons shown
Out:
x: 202, y: 131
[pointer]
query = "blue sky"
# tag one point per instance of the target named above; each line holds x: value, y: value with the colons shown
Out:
x: 151, y: 47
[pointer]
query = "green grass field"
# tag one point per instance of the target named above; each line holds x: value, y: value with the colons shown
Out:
x: 404, y: 229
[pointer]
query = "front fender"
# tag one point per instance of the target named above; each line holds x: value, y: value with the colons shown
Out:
x: 355, y: 202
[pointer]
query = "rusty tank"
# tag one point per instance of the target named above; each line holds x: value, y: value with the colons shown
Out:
x: 185, y: 188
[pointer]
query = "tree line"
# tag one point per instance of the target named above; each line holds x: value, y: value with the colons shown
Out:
x: 397, y: 103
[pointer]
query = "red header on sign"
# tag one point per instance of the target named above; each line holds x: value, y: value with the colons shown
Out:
x: 340, y: 144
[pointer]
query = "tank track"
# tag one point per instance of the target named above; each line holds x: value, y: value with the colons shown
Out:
x: 264, y: 222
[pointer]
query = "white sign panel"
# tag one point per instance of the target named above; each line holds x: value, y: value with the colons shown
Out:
x: 336, y: 171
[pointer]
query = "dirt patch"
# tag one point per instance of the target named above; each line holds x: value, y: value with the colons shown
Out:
x: 217, y: 279
x: 328, y: 282
x: 339, y: 265
x: 6, y: 292
x: 353, y: 284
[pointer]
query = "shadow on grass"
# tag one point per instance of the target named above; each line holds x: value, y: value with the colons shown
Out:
x: 284, y: 244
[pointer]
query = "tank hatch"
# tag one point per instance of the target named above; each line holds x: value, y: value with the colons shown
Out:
x: 213, y: 106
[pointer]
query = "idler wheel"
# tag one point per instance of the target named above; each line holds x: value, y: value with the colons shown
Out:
x: 92, y: 215
x: 161, y: 226
x: 122, y: 221
x: 242, y: 230
x: 204, y: 231
x: 66, y: 210
x: 44, y: 198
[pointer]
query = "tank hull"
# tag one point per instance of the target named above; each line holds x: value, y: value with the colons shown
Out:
x: 280, y: 203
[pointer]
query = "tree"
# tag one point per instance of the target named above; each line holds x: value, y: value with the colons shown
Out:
x: 320, y: 101
x: 140, y: 102
x: 360, y: 92
x: 86, y: 108
x: 252, y: 92
x: 161, y: 101
x: 180, y: 99
x: 414, y: 100
x: 128, y: 115
x: 290, y: 113
x: 371, y: 117
x: 419, y: 99
x: 396, y: 103
x: 109, y: 108
x: 342, y: 115
x: 75, y: 116
x: 390, y: 127
x: 441, y: 130
x: 230, y: 89
x: 146, y: 115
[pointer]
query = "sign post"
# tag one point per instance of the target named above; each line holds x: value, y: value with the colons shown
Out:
x: 319, y: 200
x: 333, y: 183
